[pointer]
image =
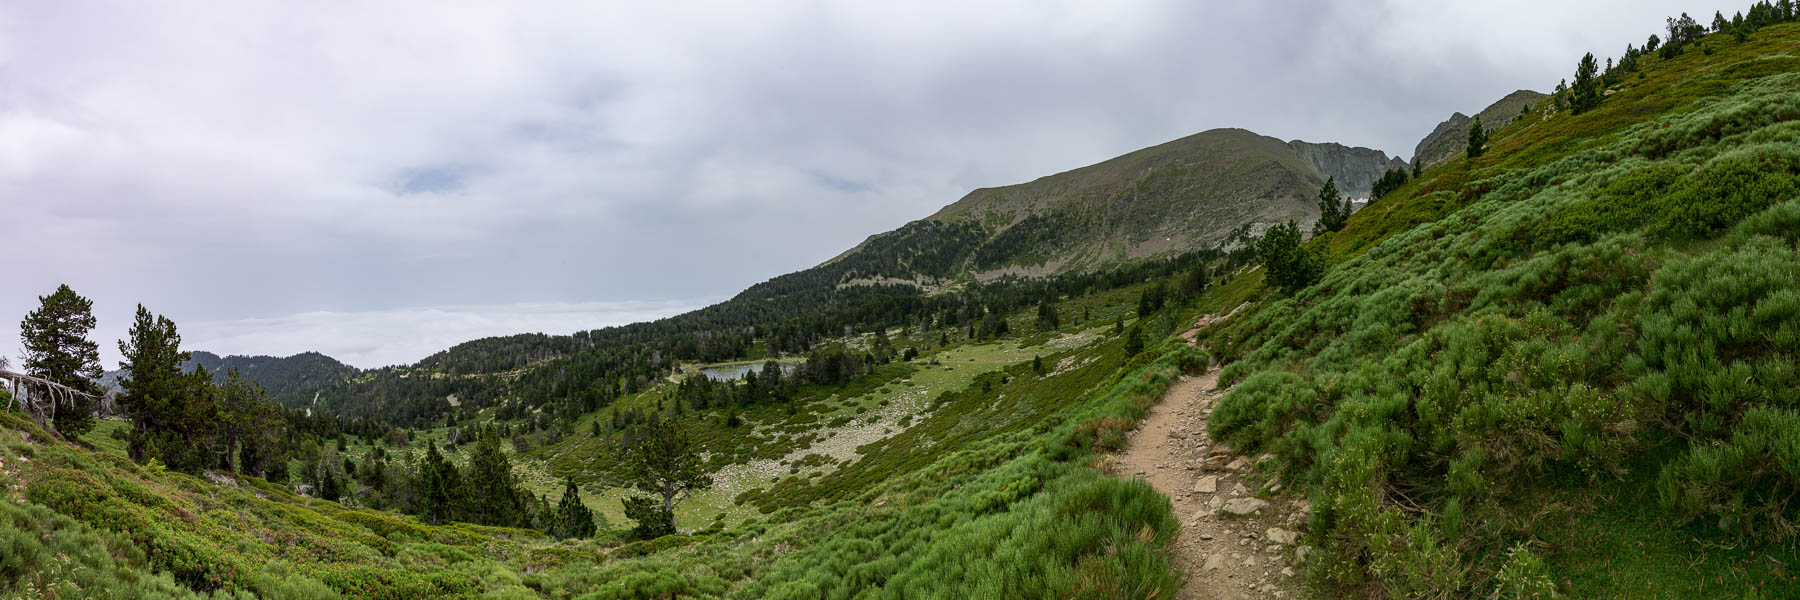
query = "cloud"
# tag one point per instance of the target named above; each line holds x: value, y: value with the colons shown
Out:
x: 253, y: 159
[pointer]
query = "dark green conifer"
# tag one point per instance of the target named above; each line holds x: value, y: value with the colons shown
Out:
x: 55, y: 340
x: 1477, y: 139
x: 572, y: 518
x: 490, y: 492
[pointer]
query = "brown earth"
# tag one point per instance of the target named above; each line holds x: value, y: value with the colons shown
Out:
x: 1238, y: 536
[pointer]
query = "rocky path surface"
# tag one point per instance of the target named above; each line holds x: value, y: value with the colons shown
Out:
x: 1233, y: 544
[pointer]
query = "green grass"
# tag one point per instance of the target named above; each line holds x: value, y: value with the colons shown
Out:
x: 997, y: 457
x: 1569, y: 362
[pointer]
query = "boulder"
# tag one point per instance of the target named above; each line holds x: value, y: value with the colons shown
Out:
x: 1242, y: 506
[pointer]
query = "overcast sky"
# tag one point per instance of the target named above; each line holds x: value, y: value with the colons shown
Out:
x: 378, y: 180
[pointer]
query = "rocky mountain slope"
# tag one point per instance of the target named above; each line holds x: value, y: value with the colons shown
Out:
x: 1451, y: 137
x: 1188, y: 194
x: 1355, y: 169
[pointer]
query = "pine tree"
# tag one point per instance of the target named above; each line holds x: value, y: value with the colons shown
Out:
x: 1047, y: 319
x: 1134, y: 342
x: 1334, y: 209
x: 1585, y: 94
x: 154, y: 386
x: 1477, y: 139
x: 1037, y: 364
x: 1152, y: 298
x: 438, y: 484
x: 665, y: 462
x: 57, y: 348
x: 1194, y: 282
x: 489, y: 490
x: 572, y: 518
x: 1286, y: 263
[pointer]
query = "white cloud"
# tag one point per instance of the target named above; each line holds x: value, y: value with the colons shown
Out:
x: 237, y: 160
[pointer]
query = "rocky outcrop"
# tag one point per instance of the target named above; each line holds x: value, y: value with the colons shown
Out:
x: 1355, y: 169
x: 1451, y: 138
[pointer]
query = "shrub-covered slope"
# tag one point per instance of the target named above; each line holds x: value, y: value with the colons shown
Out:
x: 1568, y: 366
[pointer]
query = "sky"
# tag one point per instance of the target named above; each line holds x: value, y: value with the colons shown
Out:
x: 380, y: 180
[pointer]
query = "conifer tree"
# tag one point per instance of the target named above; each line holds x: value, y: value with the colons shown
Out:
x: 665, y: 463
x: 154, y: 385
x: 572, y: 518
x: 1134, y: 341
x: 1047, y: 319
x: 490, y: 492
x: 1152, y: 299
x: 1287, y: 265
x: 57, y: 348
x: 438, y: 484
x: 1585, y: 94
x: 1334, y: 209
x: 1477, y: 139
x: 1194, y: 282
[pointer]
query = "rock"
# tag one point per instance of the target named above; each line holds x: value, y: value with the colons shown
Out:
x: 1238, y: 489
x: 1249, y: 561
x: 1242, y: 506
x: 1287, y: 572
x: 1207, y: 484
x: 1238, y: 465
x: 1301, y: 553
x: 1214, y: 563
x: 1281, y: 536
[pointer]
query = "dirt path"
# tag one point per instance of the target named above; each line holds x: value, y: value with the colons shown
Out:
x: 1232, y: 544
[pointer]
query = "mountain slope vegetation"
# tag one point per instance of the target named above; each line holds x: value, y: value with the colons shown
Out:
x: 290, y: 381
x: 1568, y: 366
x: 1563, y: 366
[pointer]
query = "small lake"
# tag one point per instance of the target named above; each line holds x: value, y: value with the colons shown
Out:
x: 736, y: 372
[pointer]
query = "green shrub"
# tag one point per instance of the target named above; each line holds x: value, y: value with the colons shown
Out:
x: 1746, y: 484
x: 1262, y: 408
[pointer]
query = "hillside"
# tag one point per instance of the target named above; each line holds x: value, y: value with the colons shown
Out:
x: 1566, y: 368
x: 291, y: 381
x: 1184, y: 198
x: 1450, y: 138
x: 1188, y: 194
x: 910, y: 477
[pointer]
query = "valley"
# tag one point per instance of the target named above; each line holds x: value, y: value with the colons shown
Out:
x: 1557, y: 355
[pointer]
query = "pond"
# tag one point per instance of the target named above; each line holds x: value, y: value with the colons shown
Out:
x: 735, y: 372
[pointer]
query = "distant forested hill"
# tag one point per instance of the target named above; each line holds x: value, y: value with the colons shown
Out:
x: 1133, y: 214
x: 290, y: 381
